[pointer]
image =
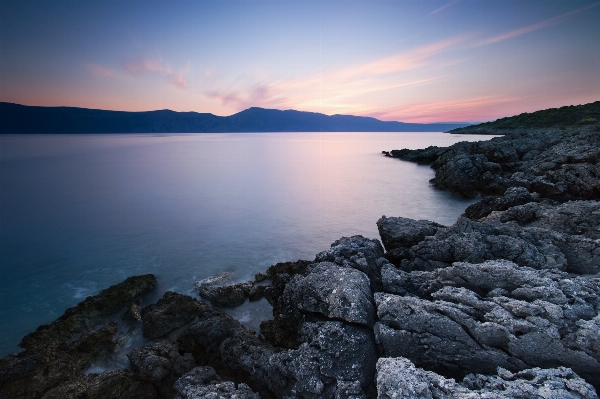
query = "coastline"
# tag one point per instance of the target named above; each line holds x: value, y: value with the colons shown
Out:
x: 511, y: 286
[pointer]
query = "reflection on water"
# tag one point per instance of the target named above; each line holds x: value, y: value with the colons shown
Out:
x: 79, y: 213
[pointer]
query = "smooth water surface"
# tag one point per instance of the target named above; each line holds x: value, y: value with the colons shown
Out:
x: 81, y: 212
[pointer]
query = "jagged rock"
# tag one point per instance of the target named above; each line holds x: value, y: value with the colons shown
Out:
x: 488, y: 239
x: 171, y: 311
x: 161, y: 364
x: 133, y: 312
x: 89, y: 312
x: 235, y: 352
x: 31, y: 373
x: 359, y: 253
x: 291, y: 268
x: 581, y: 218
x: 333, y: 291
x: 561, y: 166
x: 399, y: 234
x: 417, y: 383
x: 203, y: 382
x: 333, y: 358
x: 120, y: 384
x: 513, y: 196
x: 473, y: 318
x: 227, y: 296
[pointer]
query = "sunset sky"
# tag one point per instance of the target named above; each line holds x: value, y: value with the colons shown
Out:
x: 411, y: 61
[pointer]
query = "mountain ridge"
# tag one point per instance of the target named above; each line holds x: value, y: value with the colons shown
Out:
x: 26, y: 119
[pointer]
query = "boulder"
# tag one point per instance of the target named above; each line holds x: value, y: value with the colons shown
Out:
x: 531, y: 383
x: 359, y: 253
x: 513, y: 196
x: 171, y: 311
x: 335, y: 292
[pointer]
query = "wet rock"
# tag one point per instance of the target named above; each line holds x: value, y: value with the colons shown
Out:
x: 90, y: 312
x: 333, y: 359
x: 291, y: 268
x: 133, y: 312
x: 160, y: 364
x: 513, y: 196
x: 121, y: 384
x: 359, y: 253
x: 473, y: 318
x: 203, y: 382
x: 531, y: 383
x: 171, y: 311
x: 31, y: 373
x: 235, y: 352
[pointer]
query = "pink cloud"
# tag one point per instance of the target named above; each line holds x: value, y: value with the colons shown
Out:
x: 100, y: 71
x: 460, y: 110
x: 141, y: 66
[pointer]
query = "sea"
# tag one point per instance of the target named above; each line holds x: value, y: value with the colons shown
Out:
x: 79, y: 213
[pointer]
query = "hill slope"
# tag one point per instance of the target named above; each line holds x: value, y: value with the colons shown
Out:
x: 572, y: 115
x: 15, y: 118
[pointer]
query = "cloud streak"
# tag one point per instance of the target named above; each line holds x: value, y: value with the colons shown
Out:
x: 141, y: 66
x: 534, y: 27
x: 100, y: 71
x: 465, y: 109
x: 442, y: 7
x: 336, y: 90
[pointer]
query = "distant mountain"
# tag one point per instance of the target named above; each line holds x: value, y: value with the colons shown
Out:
x: 571, y: 115
x: 15, y: 118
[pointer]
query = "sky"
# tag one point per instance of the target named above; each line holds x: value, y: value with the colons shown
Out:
x: 411, y: 61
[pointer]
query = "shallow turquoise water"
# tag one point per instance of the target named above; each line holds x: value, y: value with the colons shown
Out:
x: 79, y: 213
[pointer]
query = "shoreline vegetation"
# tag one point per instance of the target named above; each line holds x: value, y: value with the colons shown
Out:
x: 560, y: 119
x: 505, y: 303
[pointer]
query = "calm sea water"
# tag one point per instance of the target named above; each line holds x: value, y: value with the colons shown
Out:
x: 79, y: 213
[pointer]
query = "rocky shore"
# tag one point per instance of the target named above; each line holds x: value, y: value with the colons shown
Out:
x: 505, y: 303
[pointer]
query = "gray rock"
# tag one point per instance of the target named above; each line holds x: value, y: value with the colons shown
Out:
x: 171, y: 311
x: 204, y: 383
x: 220, y: 295
x: 359, y: 253
x: 161, y: 364
x: 335, y: 360
x: 557, y: 165
x: 473, y: 318
x: 333, y: 291
x: 399, y: 232
x: 513, y: 196
x: 533, y: 244
x: 416, y: 383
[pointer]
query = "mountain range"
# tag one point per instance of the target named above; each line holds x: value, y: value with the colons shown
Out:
x: 16, y: 118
